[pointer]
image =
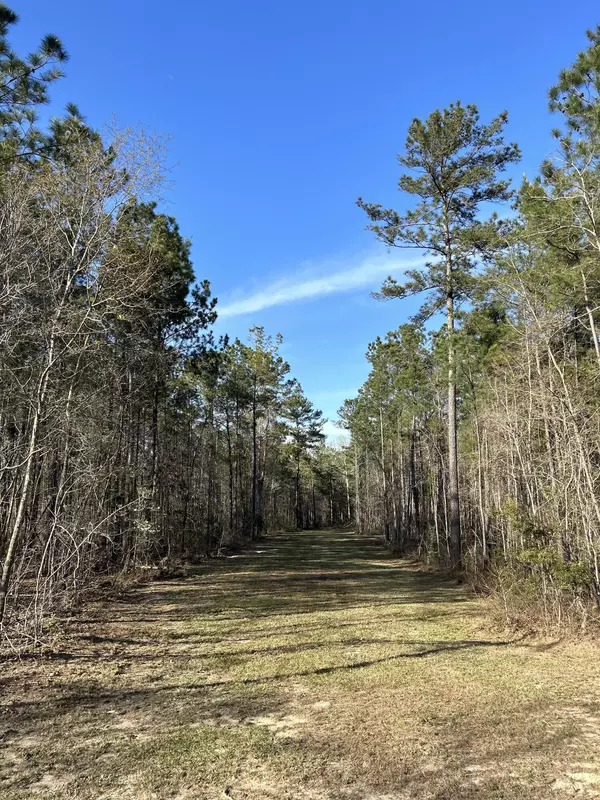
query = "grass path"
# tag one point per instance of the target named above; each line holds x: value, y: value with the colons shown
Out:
x: 315, y: 668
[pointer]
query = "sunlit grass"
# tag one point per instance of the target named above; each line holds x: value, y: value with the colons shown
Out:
x: 318, y: 668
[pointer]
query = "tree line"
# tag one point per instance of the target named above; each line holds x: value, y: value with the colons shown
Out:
x: 129, y: 436
x: 477, y: 442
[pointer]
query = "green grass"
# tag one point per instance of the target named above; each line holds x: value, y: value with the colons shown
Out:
x: 317, y: 667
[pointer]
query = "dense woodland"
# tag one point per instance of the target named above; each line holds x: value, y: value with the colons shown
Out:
x: 131, y: 438
x: 128, y: 435
x: 477, y: 441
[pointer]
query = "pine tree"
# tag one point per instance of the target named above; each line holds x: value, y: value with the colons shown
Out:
x: 305, y: 424
x: 455, y: 161
x: 561, y: 207
x: 24, y: 85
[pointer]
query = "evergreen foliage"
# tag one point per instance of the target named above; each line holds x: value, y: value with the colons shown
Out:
x: 130, y: 438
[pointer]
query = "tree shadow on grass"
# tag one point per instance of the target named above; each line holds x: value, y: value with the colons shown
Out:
x: 442, y: 647
x: 291, y: 575
x: 191, y: 651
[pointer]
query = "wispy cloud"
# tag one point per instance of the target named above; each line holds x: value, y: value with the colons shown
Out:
x: 334, y: 434
x: 327, y: 278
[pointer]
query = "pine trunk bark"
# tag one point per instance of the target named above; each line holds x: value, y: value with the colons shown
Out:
x: 453, y: 487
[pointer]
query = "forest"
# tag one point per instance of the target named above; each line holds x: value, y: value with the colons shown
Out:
x: 477, y: 443
x: 132, y: 437
x: 212, y: 584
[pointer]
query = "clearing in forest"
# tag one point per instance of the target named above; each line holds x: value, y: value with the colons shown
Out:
x: 315, y: 667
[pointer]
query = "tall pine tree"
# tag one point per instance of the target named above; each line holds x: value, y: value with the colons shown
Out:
x: 454, y: 164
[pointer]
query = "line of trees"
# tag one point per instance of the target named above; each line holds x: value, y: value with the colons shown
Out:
x: 127, y: 434
x: 479, y: 443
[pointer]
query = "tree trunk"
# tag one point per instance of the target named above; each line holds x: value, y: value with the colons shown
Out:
x: 453, y: 490
x: 11, y: 550
x: 254, y: 461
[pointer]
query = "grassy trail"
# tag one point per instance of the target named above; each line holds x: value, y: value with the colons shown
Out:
x: 314, y: 668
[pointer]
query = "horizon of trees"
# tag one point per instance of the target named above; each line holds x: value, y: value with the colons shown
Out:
x: 478, y: 443
x: 130, y: 437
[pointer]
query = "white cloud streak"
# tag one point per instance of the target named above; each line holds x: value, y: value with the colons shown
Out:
x: 313, y: 283
x: 333, y: 434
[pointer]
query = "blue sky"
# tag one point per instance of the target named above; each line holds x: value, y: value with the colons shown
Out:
x: 281, y: 113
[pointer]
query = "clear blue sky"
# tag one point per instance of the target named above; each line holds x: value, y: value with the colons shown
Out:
x: 282, y: 113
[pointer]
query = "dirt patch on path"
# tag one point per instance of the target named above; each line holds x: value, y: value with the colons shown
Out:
x: 318, y: 669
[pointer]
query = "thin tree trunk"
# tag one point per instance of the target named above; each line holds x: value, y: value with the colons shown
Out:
x: 453, y: 487
x: 11, y: 549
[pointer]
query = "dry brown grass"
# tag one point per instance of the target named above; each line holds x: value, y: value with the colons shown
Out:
x: 318, y: 667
